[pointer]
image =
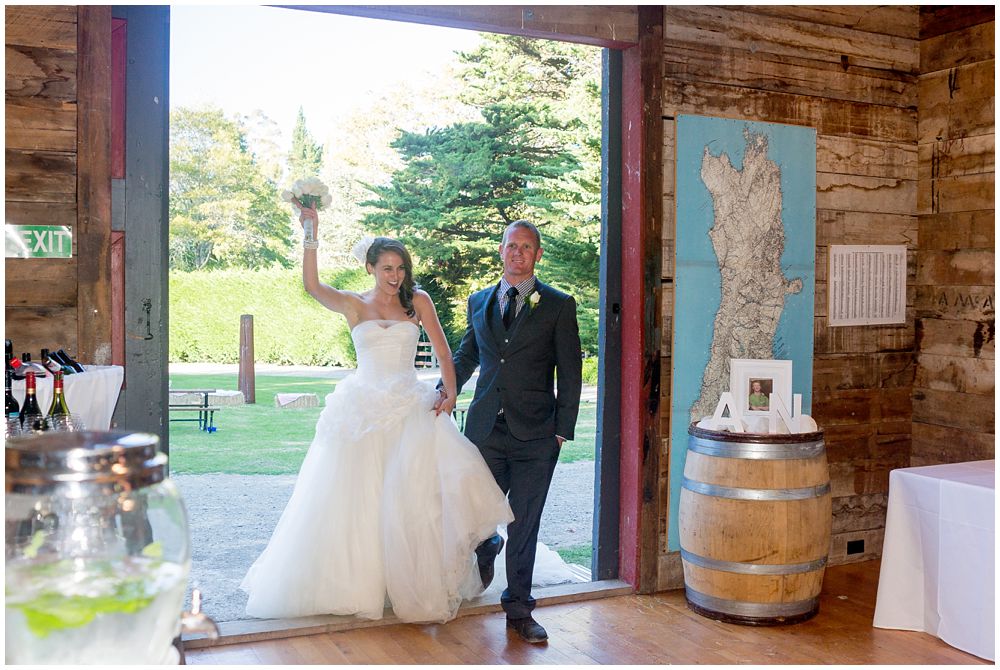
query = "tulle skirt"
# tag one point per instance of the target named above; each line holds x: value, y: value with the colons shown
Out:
x: 387, y: 510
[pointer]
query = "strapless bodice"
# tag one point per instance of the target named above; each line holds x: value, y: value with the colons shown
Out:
x: 386, y: 348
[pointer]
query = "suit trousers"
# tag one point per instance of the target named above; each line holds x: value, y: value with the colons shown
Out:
x: 523, y: 470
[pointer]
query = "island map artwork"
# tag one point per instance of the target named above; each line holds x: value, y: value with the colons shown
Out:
x: 745, y: 265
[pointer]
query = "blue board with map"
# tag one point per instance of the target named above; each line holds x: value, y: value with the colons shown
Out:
x: 745, y: 267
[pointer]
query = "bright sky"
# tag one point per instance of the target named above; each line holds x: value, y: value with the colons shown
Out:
x: 242, y: 58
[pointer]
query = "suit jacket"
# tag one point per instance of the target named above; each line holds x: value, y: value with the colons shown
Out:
x: 520, y: 368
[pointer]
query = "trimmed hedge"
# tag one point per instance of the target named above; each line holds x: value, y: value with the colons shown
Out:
x: 290, y: 327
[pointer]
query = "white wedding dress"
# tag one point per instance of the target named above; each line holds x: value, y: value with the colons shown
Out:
x: 389, y: 504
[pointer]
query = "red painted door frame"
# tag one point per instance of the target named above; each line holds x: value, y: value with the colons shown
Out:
x: 633, y: 175
x: 640, y: 264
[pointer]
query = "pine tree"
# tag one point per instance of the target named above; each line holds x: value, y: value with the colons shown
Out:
x: 305, y: 159
x: 535, y: 154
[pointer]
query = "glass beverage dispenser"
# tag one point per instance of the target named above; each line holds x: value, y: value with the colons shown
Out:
x: 97, y: 550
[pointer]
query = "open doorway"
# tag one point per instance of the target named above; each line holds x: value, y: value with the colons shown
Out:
x: 197, y: 453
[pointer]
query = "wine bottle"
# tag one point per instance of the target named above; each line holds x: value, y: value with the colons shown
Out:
x: 13, y: 409
x: 17, y: 368
x: 66, y: 368
x: 64, y: 357
x: 29, y: 364
x: 13, y: 426
x: 51, y: 365
x: 58, y: 408
x: 32, y: 419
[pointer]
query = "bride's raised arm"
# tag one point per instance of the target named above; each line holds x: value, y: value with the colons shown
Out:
x: 343, y: 302
x: 429, y: 320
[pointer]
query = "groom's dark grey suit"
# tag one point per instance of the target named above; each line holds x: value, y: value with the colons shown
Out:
x: 515, y: 415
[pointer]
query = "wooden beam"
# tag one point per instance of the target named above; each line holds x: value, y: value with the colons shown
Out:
x: 93, y: 231
x: 610, y: 26
x: 642, y: 144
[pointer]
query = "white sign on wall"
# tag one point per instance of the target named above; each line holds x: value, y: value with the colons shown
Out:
x: 867, y: 285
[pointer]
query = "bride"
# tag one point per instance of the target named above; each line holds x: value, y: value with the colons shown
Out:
x: 391, y: 500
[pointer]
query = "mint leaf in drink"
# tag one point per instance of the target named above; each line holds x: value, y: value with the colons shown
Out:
x: 53, y: 611
x: 153, y: 550
x: 31, y: 551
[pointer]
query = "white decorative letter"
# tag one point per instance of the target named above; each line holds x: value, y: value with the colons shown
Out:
x: 735, y: 419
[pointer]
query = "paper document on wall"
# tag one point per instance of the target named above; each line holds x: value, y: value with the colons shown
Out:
x: 867, y: 285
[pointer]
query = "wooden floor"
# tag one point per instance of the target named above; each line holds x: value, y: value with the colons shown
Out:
x: 629, y: 629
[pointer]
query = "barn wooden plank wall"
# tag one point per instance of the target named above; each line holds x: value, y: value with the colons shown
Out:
x: 953, y: 394
x: 55, y: 174
x: 852, y: 73
x: 40, y: 168
x: 887, y: 396
x: 902, y: 98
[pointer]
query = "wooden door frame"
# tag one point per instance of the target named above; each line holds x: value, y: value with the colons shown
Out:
x: 140, y: 219
x: 640, y: 501
x: 640, y: 508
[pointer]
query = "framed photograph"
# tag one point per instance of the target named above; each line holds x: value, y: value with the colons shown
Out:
x: 752, y: 381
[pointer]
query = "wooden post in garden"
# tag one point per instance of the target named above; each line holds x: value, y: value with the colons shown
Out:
x: 246, y: 359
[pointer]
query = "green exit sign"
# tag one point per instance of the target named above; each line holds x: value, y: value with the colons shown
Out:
x: 38, y: 242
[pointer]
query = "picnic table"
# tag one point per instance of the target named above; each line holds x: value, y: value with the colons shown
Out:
x: 205, y: 412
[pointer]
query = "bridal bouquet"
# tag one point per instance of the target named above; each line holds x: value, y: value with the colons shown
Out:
x: 311, y: 192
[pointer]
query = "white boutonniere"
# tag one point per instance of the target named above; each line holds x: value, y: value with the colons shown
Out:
x: 533, y: 299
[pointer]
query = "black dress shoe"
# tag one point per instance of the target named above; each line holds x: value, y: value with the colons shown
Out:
x: 486, y: 562
x: 528, y: 629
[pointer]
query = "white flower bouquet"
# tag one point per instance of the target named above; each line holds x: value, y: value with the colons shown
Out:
x: 311, y: 192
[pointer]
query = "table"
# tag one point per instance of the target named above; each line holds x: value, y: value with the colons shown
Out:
x: 91, y: 394
x: 937, y: 571
x: 206, y: 414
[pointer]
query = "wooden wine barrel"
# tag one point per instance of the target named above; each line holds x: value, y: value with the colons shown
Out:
x: 754, y: 521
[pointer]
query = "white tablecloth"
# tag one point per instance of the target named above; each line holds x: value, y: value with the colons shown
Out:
x: 91, y: 394
x: 938, y: 566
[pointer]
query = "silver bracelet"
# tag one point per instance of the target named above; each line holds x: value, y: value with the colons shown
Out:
x: 306, y: 244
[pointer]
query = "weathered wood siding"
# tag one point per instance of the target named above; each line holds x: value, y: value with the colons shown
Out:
x: 40, y: 169
x: 55, y: 174
x: 953, y: 393
x: 852, y: 73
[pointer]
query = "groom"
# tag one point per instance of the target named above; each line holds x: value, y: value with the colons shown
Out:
x: 523, y: 335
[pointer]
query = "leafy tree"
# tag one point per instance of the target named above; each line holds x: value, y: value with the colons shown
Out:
x: 358, y: 151
x: 460, y: 187
x: 224, y: 212
x: 565, y: 79
x: 535, y: 154
x: 263, y: 139
x: 305, y: 159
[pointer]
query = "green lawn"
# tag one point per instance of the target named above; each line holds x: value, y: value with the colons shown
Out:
x: 261, y: 439
x: 580, y: 554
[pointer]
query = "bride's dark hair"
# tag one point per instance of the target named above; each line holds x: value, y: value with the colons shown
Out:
x: 384, y: 244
